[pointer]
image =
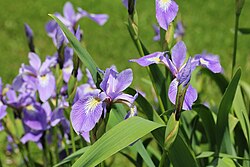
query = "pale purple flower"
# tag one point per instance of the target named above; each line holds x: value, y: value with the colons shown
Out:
x: 91, y: 106
x: 180, y: 70
x: 166, y: 11
x: 39, y: 75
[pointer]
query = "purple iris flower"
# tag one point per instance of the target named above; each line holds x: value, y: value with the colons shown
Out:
x: 157, y: 36
x: 29, y: 35
x: 39, y: 75
x: 180, y: 70
x: 2, y: 114
x: 87, y: 111
x: 166, y: 11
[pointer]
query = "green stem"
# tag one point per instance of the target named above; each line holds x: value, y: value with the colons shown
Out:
x: 163, y: 159
x: 235, y: 41
x: 72, y: 138
x: 140, y: 50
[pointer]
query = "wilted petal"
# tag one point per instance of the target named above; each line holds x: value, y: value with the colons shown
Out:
x: 34, y: 60
x: 166, y: 11
x: 149, y: 59
x: 31, y: 136
x: 190, y: 98
x: 179, y: 54
x: 86, y: 113
x: 124, y: 79
x: 46, y: 86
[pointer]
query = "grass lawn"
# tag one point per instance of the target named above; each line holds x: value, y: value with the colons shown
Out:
x: 209, y: 26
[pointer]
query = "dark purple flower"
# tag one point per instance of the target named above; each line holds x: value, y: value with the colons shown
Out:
x: 166, y: 11
x: 2, y: 114
x: 157, y: 36
x: 179, y: 31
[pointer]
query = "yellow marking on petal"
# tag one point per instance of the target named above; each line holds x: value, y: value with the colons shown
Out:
x: 30, y: 107
x: 5, y: 90
x: 68, y: 69
x: 44, y: 80
x: 203, y: 61
x: 53, y: 101
x: 155, y: 59
x: 92, y: 103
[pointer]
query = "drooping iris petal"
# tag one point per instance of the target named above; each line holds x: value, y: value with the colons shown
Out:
x: 154, y: 58
x: 86, y: 113
x: 212, y: 62
x: 35, y: 118
x: 31, y: 136
x: 190, y: 98
x: 132, y: 112
x: 179, y: 54
x: 46, y: 86
x: 86, y: 137
x: 124, y: 79
x: 125, y: 98
x: 166, y: 11
x: 34, y: 61
x: 100, y: 19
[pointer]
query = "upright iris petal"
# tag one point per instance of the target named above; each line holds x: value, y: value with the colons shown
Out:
x: 166, y: 11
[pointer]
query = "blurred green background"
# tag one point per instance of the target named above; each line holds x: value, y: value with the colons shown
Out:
x: 209, y: 26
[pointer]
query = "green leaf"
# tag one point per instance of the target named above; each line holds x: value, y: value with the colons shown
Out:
x: 208, y: 122
x: 171, y: 131
x: 120, y: 113
x: 152, y: 115
x: 207, y: 154
x: 117, y: 138
x: 241, y: 112
x: 246, y: 88
x: 180, y: 154
x: 244, y: 30
x: 82, y: 53
x: 225, y: 106
x: 73, y: 156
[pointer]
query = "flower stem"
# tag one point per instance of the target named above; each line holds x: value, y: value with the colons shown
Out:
x: 235, y: 41
x: 72, y: 138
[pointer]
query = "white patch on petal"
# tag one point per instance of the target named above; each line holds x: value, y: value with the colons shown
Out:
x: 44, y: 80
x: 154, y: 59
x: 91, y: 104
x: 164, y: 4
x: 204, y: 62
